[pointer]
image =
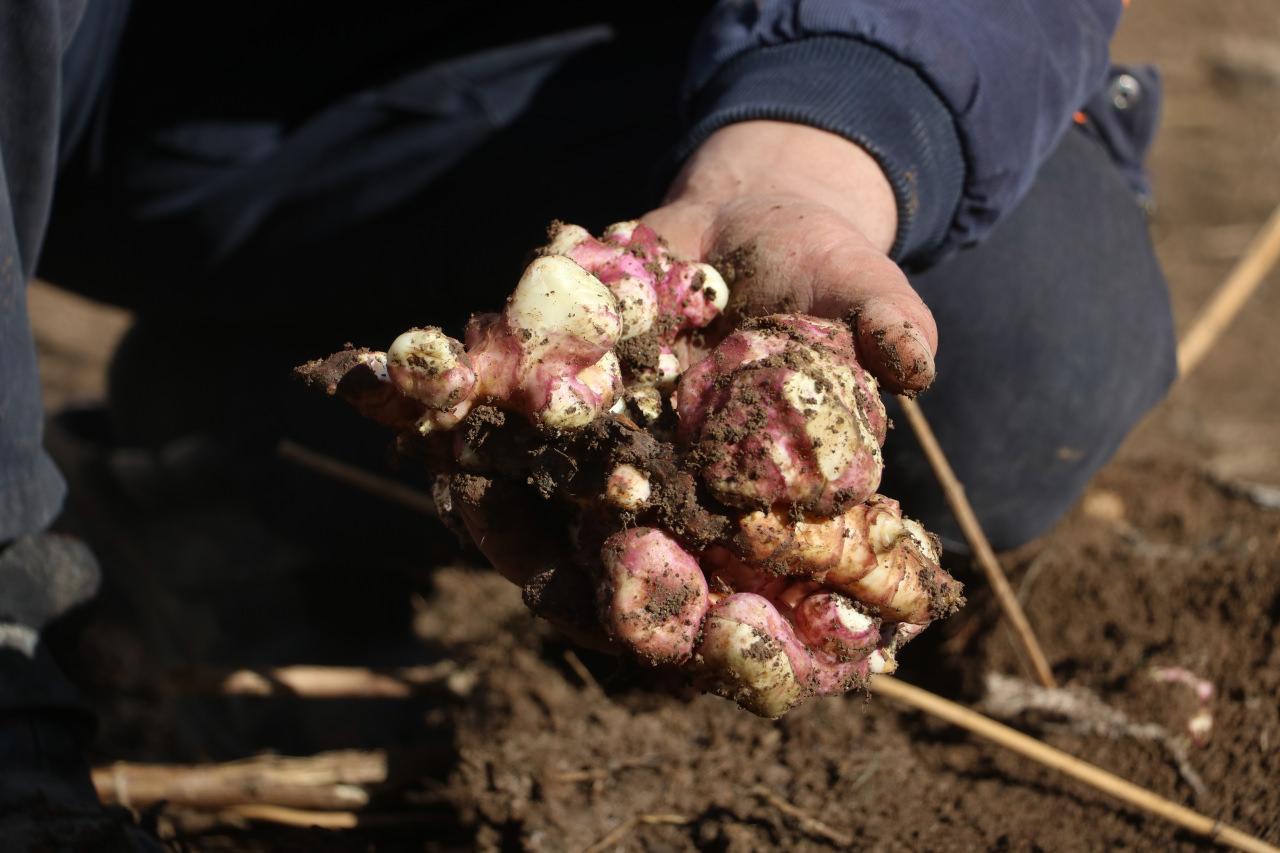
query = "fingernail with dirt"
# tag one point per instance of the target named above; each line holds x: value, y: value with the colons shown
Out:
x: 894, y: 349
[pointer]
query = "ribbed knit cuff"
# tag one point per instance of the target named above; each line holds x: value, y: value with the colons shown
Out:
x: 860, y: 92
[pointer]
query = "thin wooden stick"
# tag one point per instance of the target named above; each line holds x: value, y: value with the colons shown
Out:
x: 323, y: 819
x: 294, y: 817
x: 1248, y: 273
x: 807, y: 822
x: 986, y: 557
x: 580, y: 669
x: 352, y: 475
x: 315, y: 682
x: 1056, y: 759
x: 621, y: 830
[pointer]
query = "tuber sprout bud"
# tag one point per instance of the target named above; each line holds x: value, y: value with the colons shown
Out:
x: 627, y: 488
x: 431, y: 367
x: 656, y: 293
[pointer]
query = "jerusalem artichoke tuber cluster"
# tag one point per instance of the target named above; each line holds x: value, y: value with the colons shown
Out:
x: 713, y: 511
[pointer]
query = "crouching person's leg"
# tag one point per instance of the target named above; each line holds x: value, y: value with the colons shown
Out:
x: 1056, y: 337
x: 43, y: 721
x: 47, y: 801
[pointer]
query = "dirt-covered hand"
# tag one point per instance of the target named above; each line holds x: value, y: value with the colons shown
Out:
x: 801, y: 220
x: 718, y: 517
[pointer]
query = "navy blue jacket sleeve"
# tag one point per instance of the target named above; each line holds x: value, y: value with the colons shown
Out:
x: 960, y: 102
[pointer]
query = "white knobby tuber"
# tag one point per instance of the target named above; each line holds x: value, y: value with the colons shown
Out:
x: 549, y: 354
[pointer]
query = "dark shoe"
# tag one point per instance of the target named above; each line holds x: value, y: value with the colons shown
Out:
x: 47, y: 799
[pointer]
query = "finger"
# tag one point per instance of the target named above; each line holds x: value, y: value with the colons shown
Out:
x: 895, y: 342
x: 683, y: 225
x: 784, y: 256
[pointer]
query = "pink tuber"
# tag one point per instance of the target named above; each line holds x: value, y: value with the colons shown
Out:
x: 653, y: 595
x: 783, y: 413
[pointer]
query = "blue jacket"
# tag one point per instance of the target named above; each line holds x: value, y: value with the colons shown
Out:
x: 960, y: 102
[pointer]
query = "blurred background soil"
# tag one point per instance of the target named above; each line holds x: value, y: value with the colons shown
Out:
x: 1172, y: 559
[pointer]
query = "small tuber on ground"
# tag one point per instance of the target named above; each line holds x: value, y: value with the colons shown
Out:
x: 702, y: 504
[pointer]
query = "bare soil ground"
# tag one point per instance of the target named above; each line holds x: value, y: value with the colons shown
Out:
x: 1172, y: 559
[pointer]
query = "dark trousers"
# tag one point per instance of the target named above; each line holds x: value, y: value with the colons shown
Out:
x: 253, y: 215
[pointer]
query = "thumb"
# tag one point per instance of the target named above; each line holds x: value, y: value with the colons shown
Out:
x: 783, y: 255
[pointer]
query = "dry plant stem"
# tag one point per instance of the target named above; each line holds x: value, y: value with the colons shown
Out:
x: 977, y: 540
x: 1248, y: 273
x: 294, y: 817
x: 1056, y: 759
x: 570, y: 777
x: 807, y: 822
x: 319, y: 818
x: 580, y: 669
x: 620, y: 831
x: 315, y: 682
x: 381, y: 487
x: 331, y: 780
